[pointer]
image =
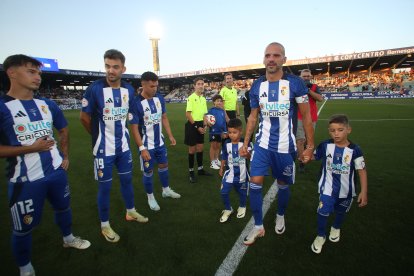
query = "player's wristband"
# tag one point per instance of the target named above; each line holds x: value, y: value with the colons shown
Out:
x: 141, y: 148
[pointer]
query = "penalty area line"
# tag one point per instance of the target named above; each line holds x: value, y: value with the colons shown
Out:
x: 233, y: 258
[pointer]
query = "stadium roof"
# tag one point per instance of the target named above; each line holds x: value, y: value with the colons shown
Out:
x: 372, y: 60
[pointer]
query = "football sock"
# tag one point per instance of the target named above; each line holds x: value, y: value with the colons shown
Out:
x: 225, y: 190
x: 64, y: 220
x: 282, y: 199
x: 22, y: 248
x: 191, y: 161
x: 104, y: 224
x: 200, y: 159
x: 127, y: 190
x: 150, y: 196
x: 164, y: 176
x: 242, y: 191
x: 256, y: 202
x: 147, y: 180
x: 104, y: 190
x: 339, y: 219
x: 25, y: 269
x: 322, y: 220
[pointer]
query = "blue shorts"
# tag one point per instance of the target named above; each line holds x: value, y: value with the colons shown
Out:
x: 26, y: 199
x: 329, y: 204
x: 158, y: 155
x: 103, y: 165
x: 282, y: 164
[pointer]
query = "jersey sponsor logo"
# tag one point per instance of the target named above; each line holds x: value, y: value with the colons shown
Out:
x: 115, y: 113
x: 109, y: 100
x: 263, y: 95
x: 84, y: 102
x: 274, y: 109
x: 20, y: 114
x: 152, y: 119
x: 33, y: 130
x: 338, y: 168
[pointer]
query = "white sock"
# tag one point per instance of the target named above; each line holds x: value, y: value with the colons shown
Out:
x: 69, y: 238
x: 131, y: 210
x: 150, y: 196
x: 104, y: 223
x: 166, y: 189
x: 258, y: 226
x: 26, y: 268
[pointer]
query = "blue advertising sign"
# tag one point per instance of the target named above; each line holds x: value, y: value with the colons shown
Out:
x: 49, y: 65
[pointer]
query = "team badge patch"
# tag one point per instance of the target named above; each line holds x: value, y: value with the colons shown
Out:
x: 146, y: 164
x: 28, y: 219
x: 320, y: 205
x: 44, y: 109
x: 84, y: 102
x: 100, y: 173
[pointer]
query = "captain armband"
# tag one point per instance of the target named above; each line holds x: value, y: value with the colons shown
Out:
x: 359, y: 163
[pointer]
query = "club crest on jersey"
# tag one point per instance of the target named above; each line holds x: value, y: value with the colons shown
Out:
x: 43, y: 108
x: 27, y: 219
x: 158, y: 104
x: 125, y: 98
x: 283, y: 90
x: 347, y: 159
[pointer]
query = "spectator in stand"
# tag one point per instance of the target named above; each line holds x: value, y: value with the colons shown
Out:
x: 314, y: 95
x: 229, y: 94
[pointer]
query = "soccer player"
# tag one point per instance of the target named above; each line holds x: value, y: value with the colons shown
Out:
x: 147, y: 117
x: 272, y: 96
x: 104, y: 112
x: 229, y: 94
x: 218, y: 130
x: 195, y: 128
x: 314, y: 96
x: 340, y: 159
x: 37, y: 169
x: 237, y: 174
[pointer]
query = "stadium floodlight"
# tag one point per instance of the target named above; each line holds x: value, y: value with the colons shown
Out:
x: 154, y: 31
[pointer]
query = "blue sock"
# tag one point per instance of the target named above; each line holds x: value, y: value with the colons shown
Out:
x: 256, y: 203
x: 322, y: 220
x: 225, y: 190
x: 164, y: 177
x: 22, y: 248
x: 147, y: 180
x: 126, y: 189
x: 64, y: 220
x: 339, y: 219
x: 283, y: 196
x: 104, y: 190
x: 242, y: 194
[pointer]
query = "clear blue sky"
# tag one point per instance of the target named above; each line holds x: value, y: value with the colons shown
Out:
x: 199, y: 34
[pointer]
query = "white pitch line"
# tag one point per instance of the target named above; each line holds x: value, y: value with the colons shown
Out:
x: 233, y: 258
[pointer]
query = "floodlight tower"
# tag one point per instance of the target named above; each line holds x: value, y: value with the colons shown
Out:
x: 154, y: 31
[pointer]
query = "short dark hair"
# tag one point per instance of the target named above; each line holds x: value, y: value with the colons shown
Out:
x: 198, y: 79
x: 149, y: 76
x: 339, y: 119
x: 20, y: 60
x: 235, y: 123
x: 228, y: 74
x: 115, y: 54
x: 216, y: 97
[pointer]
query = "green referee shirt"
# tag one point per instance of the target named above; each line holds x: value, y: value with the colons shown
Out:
x: 197, y: 105
x: 229, y: 97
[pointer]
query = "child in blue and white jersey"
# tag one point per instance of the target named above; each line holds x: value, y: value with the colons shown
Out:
x: 218, y: 130
x: 340, y: 160
x: 236, y: 174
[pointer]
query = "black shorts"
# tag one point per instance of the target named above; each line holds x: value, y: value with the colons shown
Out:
x: 214, y: 137
x: 231, y: 114
x: 192, y: 136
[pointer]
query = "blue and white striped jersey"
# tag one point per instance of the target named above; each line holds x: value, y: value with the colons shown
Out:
x: 147, y: 113
x: 276, y: 103
x: 22, y: 122
x: 237, y: 166
x: 338, y: 168
x: 108, y: 108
